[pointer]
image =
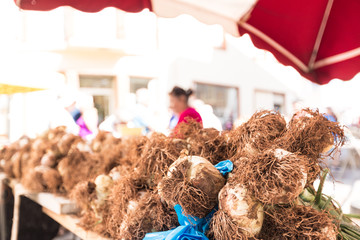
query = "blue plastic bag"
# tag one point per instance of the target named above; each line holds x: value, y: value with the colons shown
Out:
x: 191, y: 227
x: 225, y: 167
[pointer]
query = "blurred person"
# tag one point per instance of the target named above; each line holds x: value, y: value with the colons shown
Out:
x: 212, y: 121
x: 206, y: 111
x: 88, y: 120
x: 158, y: 107
x: 174, y: 119
x: 60, y: 115
x: 330, y: 115
x: 110, y: 124
x: 179, y: 104
x: 141, y: 111
x: 136, y: 114
x: 116, y: 122
x: 73, y: 110
x: 229, y: 124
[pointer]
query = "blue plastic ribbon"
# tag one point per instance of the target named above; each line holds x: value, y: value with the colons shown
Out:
x: 225, y: 167
x: 191, y: 227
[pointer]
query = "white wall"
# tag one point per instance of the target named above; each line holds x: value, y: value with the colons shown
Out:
x: 230, y: 68
x: 175, y: 51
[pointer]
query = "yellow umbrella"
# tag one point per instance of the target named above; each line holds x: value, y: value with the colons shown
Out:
x: 11, y: 89
x: 29, y: 71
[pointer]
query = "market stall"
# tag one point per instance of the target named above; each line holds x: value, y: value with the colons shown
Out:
x: 253, y: 181
x: 60, y: 209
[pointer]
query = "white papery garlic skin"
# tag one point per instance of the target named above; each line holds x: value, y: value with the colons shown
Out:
x: 235, y: 201
x: 103, y: 186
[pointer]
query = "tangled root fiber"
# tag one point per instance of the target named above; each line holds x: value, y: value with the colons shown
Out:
x: 33, y: 181
x: 89, y: 221
x: 78, y: 166
x: 66, y: 142
x: 222, y: 227
x: 132, y: 149
x: 42, y: 179
x: 84, y: 195
x: 210, y: 144
x: 258, y: 133
x: 311, y: 133
x: 150, y: 215
x: 272, y: 177
x: 124, y: 190
x: 158, y: 153
x: 177, y: 189
x: 298, y: 222
x: 97, y: 143
x: 186, y: 129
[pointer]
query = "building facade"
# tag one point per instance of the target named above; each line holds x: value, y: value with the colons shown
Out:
x: 111, y: 54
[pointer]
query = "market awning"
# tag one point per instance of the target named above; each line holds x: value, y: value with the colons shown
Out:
x: 85, y: 5
x: 29, y: 71
x: 29, y: 81
x: 224, y: 12
x: 321, y: 39
x: 12, y: 89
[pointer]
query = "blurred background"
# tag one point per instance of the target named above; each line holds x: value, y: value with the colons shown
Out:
x: 111, y: 54
x: 123, y: 65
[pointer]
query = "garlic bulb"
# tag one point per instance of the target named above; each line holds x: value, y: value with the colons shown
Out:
x: 103, y: 186
x: 201, y: 173
x: 235, y: 201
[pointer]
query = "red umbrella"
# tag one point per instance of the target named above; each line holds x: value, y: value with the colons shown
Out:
x: 320, y: 38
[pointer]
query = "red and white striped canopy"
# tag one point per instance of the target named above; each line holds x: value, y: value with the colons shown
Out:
x: 321, y: 39
x: 224, y: 12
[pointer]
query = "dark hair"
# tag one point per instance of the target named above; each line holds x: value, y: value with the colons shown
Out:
x: 178, y: 92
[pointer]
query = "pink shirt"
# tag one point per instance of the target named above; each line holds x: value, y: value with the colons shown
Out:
x: 189, y: 113
x: 84, y: 131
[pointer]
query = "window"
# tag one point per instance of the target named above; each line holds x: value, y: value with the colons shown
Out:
x: 269, y: 100
x: 96, y: 82
x: 137, y: 83
x: 223, y: 99
x: 102, y: 88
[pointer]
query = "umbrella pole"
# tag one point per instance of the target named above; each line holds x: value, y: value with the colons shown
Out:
x: 8, y: 118
x: 320, y: 34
